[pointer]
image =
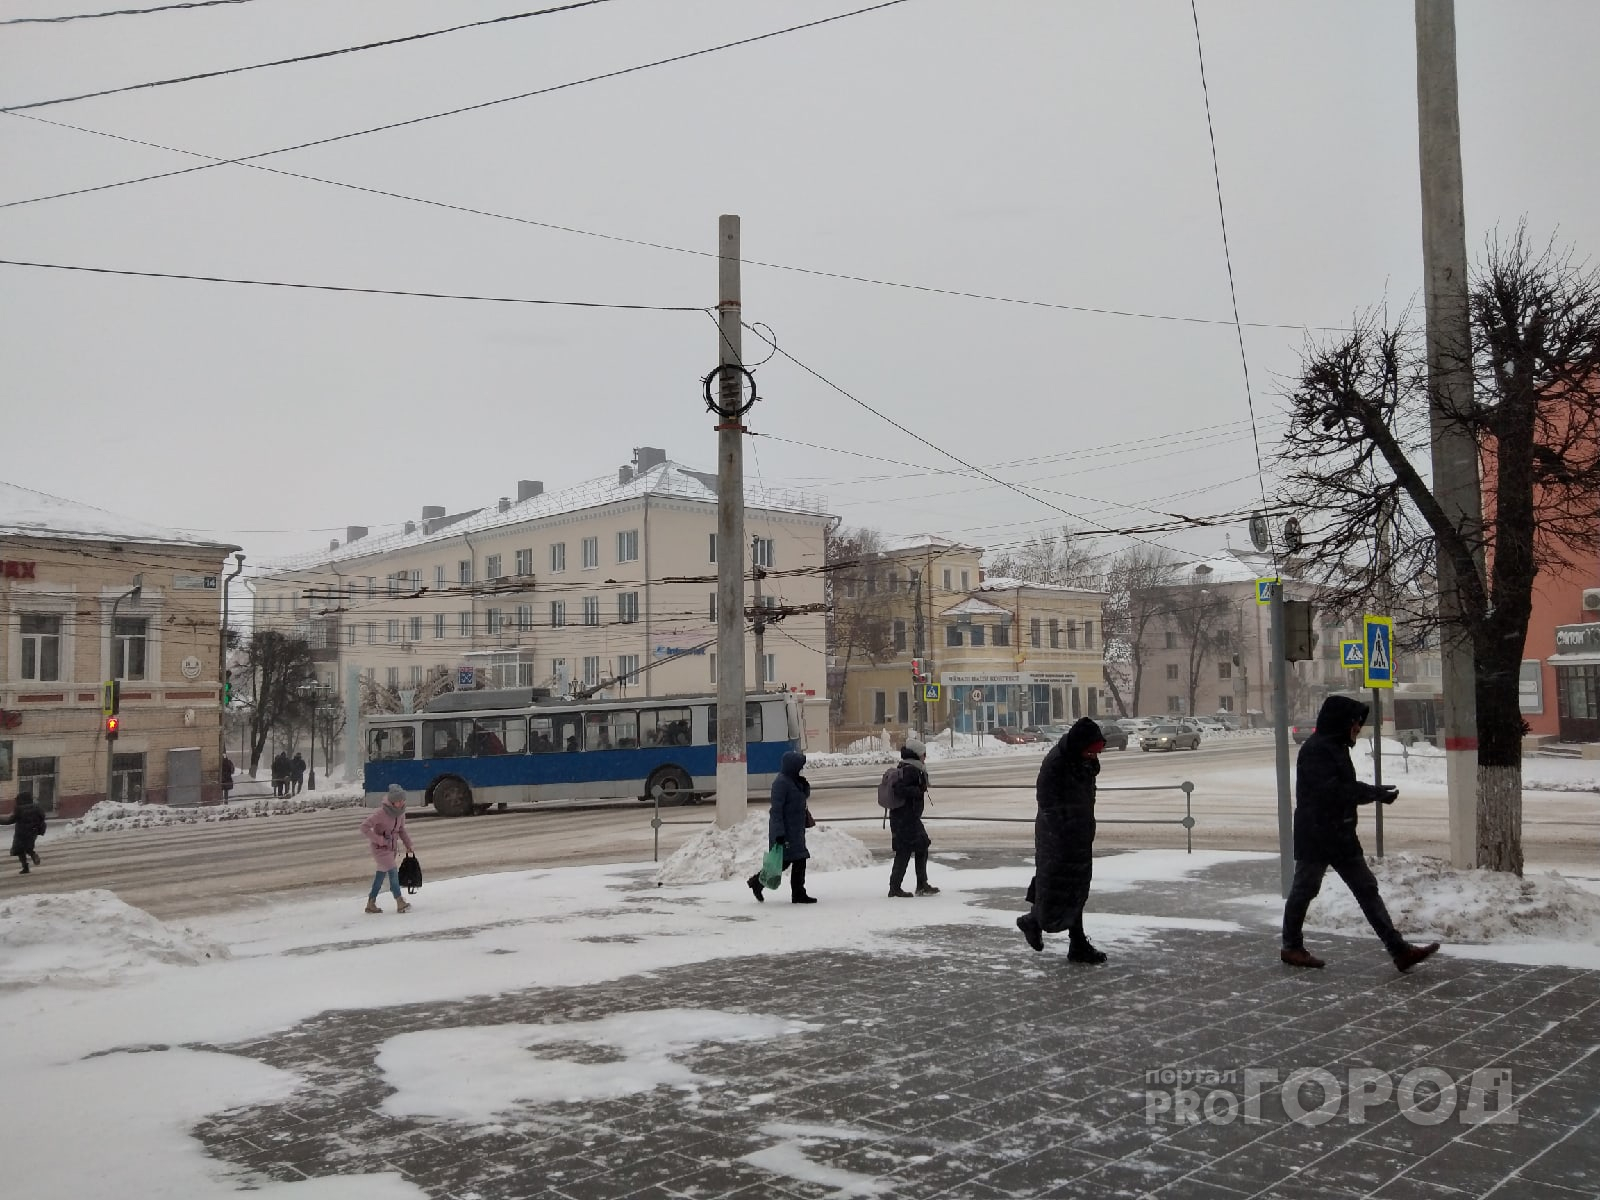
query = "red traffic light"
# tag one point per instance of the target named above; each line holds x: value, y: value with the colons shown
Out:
x: 112, y: 723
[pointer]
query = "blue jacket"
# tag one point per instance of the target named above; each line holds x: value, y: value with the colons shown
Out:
x: 790, y: 791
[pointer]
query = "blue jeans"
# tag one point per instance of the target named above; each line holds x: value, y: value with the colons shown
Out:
x: 393, y: 875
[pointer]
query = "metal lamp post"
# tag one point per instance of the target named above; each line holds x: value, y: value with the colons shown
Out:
x: 132, y: 593
x: 318, y: 691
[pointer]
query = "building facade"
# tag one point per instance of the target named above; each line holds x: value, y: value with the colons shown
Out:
x: 606, y: 587
x: 1004, y: 653
x: 86, y: 597
x: 1560, y: 688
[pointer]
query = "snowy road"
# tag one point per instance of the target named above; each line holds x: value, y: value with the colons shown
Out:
x: 194, y: 869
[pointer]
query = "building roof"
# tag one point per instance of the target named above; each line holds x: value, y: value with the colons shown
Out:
x: 27, y: 513
x: 1231, y: 566
x: 924, y: 541
x: 1007, y: 583
x: 972, y: 606
x: 668, y: 479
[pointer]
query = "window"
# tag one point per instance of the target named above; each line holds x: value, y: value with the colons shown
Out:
x: 591, y: 610
x: 965, y: 585
x: 711, y: 606
x: 392, y: 676
x: 1224, y: 703
x: 494, y: 621
x: 628, y: 546
x: 1221, y: 638
x: 41, y: 650
x: 880, y: 707
x: 490, y: 736
x: 712, y: 659
x: 1072, y: 635
x: 1094, y: 701
x: 438, y: 576
x: 872, y: 583
x: 372, y: 590
x: 372, y: 633
x: 664, y: 727
x: 947, y: 579
x: 416, y: 677
x: 524, y: 562
x: 1033, y: 632
x: 464, y: 571
x: 391, y: 743
x: 438, y: 625
x: 393, y: 582
x: 349, y: 635
x: 38, y: 775
x: 446, y: 739
x: 416, y: 629
x: 628, y: 667
x: 558, y: 613
x: 558, y: 556
x: 1055, y: 634
x: 591, y: 552
x: 525, y: 617
x: 591, y: 670
x: 128, y: 641
x: 492, y: 565
x: 610, y: 730
x: 761, y: 552
x: 466, y: 623
x: 712, y: 551
x: 902, y: 707
x: 627, y: 607
x: 1088, y: 635
x: 752, y: 724
x: 1174, y: 704
x: 1172, y: 640
x: 891, y: 580
x: 392, y: 631
x: 1172, y: 670
x: 769, y: 668
x: 977, y: 634
x: 1002, y: 634
x: 952, y: 635
x: 899, y: 636
x: 1224, y: 670
x: 127, y: 778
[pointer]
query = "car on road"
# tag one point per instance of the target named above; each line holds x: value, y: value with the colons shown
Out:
x: 1013, y: 737
x: 1301, y: 730
x: 1170, y: 737
x: 1116, y: 736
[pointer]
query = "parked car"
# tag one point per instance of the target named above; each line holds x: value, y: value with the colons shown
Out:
x: 1228, y: 721
x: 1170, y: 737
x: 1013, y: 737
x: 1116, y: 736
x: 1301, y: 730
x: 1210, y: 725
x: 1137, y: 726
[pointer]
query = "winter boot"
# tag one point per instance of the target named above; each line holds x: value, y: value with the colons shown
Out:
x: 400, y: 905
x: 372, y: 905
x: 1403, y: 962
x: 1299, y: 956
x: 926, y: 889
x: 899, y: 893
x: 1082, y: 951
x: 1031, y: 931
x: 803, y: 898
x: 755, y: 886
x: 34, y: 854
x: 24, y: 870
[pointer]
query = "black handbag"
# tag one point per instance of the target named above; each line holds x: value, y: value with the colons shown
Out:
x: 410, y: 874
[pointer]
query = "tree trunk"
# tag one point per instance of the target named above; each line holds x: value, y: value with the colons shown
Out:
x: 1499, y: 758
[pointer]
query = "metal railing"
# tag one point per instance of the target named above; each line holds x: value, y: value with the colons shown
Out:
x: 1187, y: 821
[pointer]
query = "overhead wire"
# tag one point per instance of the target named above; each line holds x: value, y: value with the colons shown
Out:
x: 120, y: 12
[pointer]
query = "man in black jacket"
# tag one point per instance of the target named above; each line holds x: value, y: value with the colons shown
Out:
x: 1326, y: 794
x: 28, y: 817
x: 909, y: 836
x: 1063, y: 842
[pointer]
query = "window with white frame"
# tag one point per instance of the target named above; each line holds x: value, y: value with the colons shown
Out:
x: 1033, y: 631
x: 899, y: 636
x: 1224, y: 670
x: 438, y: 625
x: 39, y: 777
x: 628, y: 545
x: 977, y: 635
x: 712, y: 552
x: 416, y: 629
x: 1002, y: 634
x: 416, y: 579
x: 591, y: 670
x: 129, y: 639
x: 391, y: 676
x: 1224, y: 703
x: 711, y: 606
x: 591, y: 553
x: 438, y: 576
x: 464, y: 571
x: 416, y: 676
x: 372, y: 590
x: 628, y: 667
x: 947, y: 579
x: 393, y: 582
x: 558, y: 613
x: 965, y: 585
x: 1172, y: 670
x: 525, y: 562
x: 349, y: 635
x: 494, y: 621
x: 393, y: 631
x: 1055, y: 634
x: 952, y: 635
x: 591, y: 610
x: 492, y: 566
x: 1088, y: 635
x: 627, y: 607
x: 1175, y: 704
x: 524, y: 617
x: 372, y: 633
x: 1072, y: 635
x: 769, y: 668
x: 558, y: 670
x: 466, y: 623
x: 558, y: 556
x: 761, y: 552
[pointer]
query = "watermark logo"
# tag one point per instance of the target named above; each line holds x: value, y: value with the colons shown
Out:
x: 1314, y: 1096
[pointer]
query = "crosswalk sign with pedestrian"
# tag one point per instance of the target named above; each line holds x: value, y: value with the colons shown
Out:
x: 1264, y: 590
x: 1378, y: 637
x: 1352, y: 654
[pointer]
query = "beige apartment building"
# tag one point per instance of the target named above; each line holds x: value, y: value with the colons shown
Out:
x: 608, y: 583
x: 87, y: 596
x: 1004, y: 653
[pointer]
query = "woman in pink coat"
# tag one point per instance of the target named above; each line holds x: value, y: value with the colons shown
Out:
x: 386, y: 832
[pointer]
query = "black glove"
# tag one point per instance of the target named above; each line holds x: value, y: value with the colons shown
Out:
x: 780, y: 841
x: 1387, y: 793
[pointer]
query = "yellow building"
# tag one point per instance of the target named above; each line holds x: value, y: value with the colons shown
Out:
x: 1004, y: 653
x: 87, y: 596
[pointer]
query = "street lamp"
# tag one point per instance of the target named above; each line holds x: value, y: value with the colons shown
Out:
x: 318, y: 692
x: 133, y: 594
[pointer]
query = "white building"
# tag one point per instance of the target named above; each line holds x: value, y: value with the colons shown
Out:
x: 611, y: 582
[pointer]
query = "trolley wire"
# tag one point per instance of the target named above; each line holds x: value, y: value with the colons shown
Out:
x: 119, y: 12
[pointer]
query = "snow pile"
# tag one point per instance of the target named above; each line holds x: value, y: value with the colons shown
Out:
x: 1432, y: 901
x: 715, y: 854
x: 111, y: 815
x: 89, y: 939
x: 1425, y: 763
x: 869, y: 752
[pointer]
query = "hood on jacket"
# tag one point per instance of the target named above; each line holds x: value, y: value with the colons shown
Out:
x: 1083, y: 734
x: 793, y: 762
x: 1338, y: 713
x: 914, y: 749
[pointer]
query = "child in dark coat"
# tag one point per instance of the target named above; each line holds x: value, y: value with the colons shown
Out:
x: 28, y: 818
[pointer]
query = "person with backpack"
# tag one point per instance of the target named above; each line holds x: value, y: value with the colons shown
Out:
x: 1063, y: 842
x: 28, y: 817
x: 907, y: 786
x: 786, y: 826
x: 1326, y: 794
x: 386, y: 831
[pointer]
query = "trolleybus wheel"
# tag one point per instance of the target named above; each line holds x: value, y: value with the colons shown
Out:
x: 452, y: 798
x: 674, y: 783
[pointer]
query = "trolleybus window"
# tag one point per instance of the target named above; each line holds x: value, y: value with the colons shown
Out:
x: 498, y: 735
x: 447, y: 739
x: 391, y: 743
x: 752, y: 723
x: 611, y: 730
x: 664, y: 727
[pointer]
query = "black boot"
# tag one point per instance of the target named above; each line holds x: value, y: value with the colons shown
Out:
x: 1031, y: 931
x: 1081, y: 950
x: 34, y: 854
x: 755, y: 886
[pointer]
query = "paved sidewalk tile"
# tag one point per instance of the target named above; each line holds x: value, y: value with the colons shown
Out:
x: 976, y: 1068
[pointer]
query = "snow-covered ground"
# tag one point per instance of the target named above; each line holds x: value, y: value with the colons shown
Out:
x: 110, y: 815
x: 942, y: 747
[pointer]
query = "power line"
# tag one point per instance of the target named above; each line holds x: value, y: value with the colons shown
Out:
x: 361, y: 291
x: 544, y: 91
x: 283, y: 62
x: 119, y: 12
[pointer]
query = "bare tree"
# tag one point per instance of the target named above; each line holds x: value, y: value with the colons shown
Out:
x: 1064, y: 559
x: 1136, y: 594
x: 327, y: 724
x: 1356, y: 453
x: 279, y: 666
x: 860, y: 608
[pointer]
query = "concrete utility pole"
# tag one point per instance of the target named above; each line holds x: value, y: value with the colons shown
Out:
x: 1455, y: 454
x: 733, y: 782
x: 1280, y: 735
x: 918, y: 690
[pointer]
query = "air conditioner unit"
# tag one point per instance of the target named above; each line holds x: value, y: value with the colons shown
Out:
x: 1591, y: 599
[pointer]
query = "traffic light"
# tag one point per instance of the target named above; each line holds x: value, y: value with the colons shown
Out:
x: 227, y: 689
x: 1300, y: 637
x: 112, y: 725
x: 111, y: 697
x: 919, y: 673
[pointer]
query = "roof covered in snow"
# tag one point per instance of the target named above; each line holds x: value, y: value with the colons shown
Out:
x: 924, y: 541
x: 1008, y: 583
x: 1231, y: 566
x: 27, y: 513
x: 669, y: 480
x: 974, y: 607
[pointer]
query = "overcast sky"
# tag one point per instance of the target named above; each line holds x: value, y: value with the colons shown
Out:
x: 1043, y: 150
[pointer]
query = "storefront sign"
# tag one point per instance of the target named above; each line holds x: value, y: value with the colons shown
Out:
x: 1578, y: 637
x: 1006, y: 678
x: 1530, y: 687
x: 10, y: 568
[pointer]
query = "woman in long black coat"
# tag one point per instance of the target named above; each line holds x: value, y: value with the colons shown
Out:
x: 786, y: 826
x: 908, y: 835
x: 28, y: 818
x: 1063, y: 842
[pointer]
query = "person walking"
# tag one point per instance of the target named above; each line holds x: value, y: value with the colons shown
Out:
x: 28, y: 817
x: 297, y: 774
x: 786, y: 826
x: 280, y: 773
x: 1063, y: 842
x: 225, y: 777
x: 908, y: 835
x: 1326, y: 796
x: 386, y: 832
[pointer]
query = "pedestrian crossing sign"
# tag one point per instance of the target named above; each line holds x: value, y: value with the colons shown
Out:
x: 1264, y: 590
x: 1379, y: 643
x: 931, y: 693
x: 1352, y: 654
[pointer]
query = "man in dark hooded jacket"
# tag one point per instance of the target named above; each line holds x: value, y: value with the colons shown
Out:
x: 786, y: 826
x: 1326, y: 795
x: 1063, y: 842
x: 908, y: 835
x: 28, y: 817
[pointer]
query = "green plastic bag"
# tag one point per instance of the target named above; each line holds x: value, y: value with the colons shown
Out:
x: 772, y: 867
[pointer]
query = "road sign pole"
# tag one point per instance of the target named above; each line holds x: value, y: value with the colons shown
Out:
x: 1280, y: 729
x: 1377, y: 762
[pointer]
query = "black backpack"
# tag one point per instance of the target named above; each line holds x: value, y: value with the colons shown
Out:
x: 410, y: 873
